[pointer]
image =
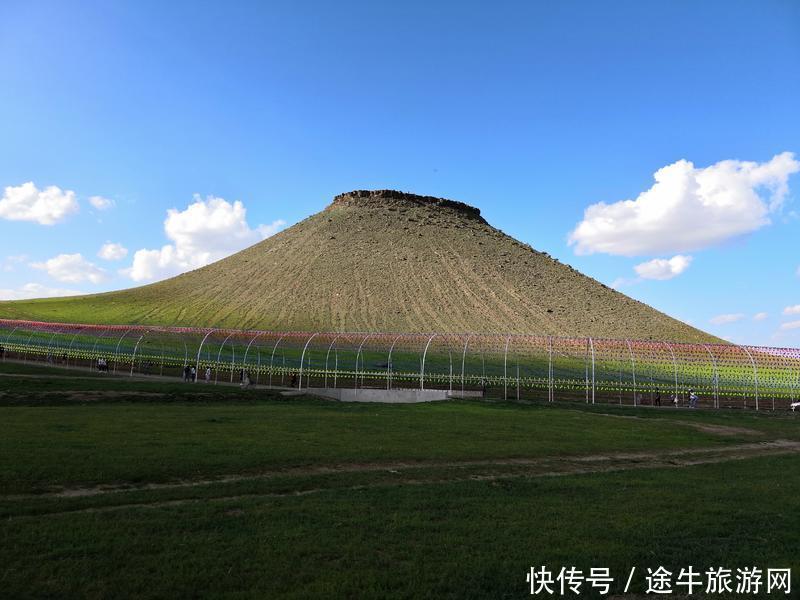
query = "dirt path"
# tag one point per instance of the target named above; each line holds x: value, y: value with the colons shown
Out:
x: 523, y: 467
x: 704, y: 427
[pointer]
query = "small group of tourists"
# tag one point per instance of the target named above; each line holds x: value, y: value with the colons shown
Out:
x: 102, y: 365
x: 189, y: 374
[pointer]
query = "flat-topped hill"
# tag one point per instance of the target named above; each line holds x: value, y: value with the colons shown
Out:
x: 380, y: 261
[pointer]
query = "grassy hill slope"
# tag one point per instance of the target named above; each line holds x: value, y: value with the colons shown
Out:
x: 382, y: 261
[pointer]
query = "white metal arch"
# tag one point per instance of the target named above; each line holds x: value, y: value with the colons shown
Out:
x: 216, y: 364
x: 755, y: 371
x: 390, y: 364
x: 272, y: 357
x: 633, y: 370
x: 199, y: 351
x: 328, y: 355
x: 302, y: 359
x: 714, y: 376
x: 358, y: 354
x: 422, y: 364
x: 116, y: 351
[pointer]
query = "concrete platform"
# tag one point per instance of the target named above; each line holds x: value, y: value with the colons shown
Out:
x: 395, y: 396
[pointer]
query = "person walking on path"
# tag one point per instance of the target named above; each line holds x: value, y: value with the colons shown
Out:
x: 194, y: 374
x: 208, y: 374
x: 657, y: 398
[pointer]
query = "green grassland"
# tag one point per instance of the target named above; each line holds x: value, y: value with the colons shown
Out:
x: 112, y: 487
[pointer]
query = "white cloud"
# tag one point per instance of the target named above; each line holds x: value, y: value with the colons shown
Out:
x: 71, y: 268
x: 662, y: 268
x: 111, y: 251
x: 35, y: 290
x: 688, y: 208
x: 792, y: 310
x: 26, y: 202
x: 622, y: 282
x: 790, y: 325
x: 760, y: 316
x: 728, y: 318
x: 101, y: 203
x: 266, y: 231
x: 206, y: 231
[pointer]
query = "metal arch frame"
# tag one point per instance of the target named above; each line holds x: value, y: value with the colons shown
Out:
x: 450, y: 358
x: 715, y: 376
x: 788, y: 366
x: 448, y: 343
x: 27, y: 344
x: 773, y: 371
x: 505, y: 368
x: 199, y: 351
x: 464, y: 361
x: 422, y: 365
x: 550, y: 388
x: 302, y: 359
x: 586, y: 365
x: 591, y: 345
x: 135, y: 348
x: 247, y: 350
x: 219, y: 354
x: 358, y: 353
x: 116, y: 351
x: 792, y: 382
x: 390, y: 364
x: 233, y: 362
x: 97, y: 338
x: 8, y: 337
x: 633, y: 370
x: 755, y: 371
x: 52, y: 337
x: 275, y: 347
x: 327, y: 356
x: 72, y: 341
x: 674, y: 366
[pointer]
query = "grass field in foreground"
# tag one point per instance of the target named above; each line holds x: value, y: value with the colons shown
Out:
x: 305, y: 498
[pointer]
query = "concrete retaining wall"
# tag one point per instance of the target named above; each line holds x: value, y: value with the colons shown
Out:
x: 388, y: 396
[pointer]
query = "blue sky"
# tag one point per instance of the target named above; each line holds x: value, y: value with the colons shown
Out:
x: 533, y: 111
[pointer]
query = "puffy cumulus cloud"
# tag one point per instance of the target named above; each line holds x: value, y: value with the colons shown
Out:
x: 71, y: 268
x: 662, y: 268
x: 101, y: 203
x: 761, y: 316
x: 688, y: 208
x: 35, y: 290
x: 206, y: 231
x: 789, y: 325
x: 26, y: 202
x: 266, y: 231
x: 727, y: 318
x: 111, y: 251
x: 792, y: 310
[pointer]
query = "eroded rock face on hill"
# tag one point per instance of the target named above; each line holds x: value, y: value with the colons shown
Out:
x: 392, y: 199
x: 381, y: 260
